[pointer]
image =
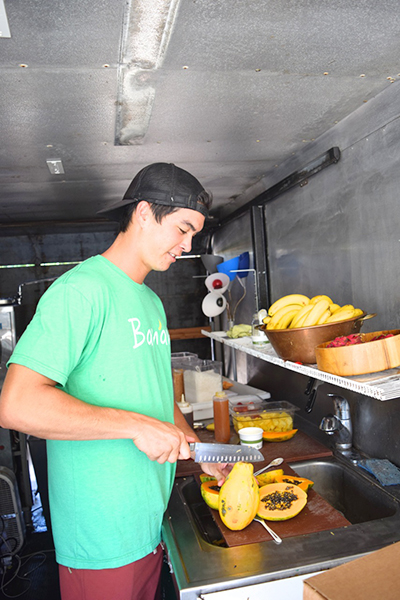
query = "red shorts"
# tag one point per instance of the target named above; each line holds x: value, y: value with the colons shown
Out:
x: 140, y: 580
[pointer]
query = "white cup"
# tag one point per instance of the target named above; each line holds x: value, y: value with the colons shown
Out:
x: 251, y: 436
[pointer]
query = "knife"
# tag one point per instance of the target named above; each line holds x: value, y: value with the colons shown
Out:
x: 223, y: 453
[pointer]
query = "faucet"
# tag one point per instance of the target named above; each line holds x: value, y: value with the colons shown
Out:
x: 339, y: 424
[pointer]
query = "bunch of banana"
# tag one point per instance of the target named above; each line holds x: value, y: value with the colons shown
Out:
x: 297, y: 310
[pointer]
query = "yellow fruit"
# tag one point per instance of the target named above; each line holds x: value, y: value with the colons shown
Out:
x: 286, y: 300
x: 210, y: 427
x: 266, y: 320
x: 358, y: 312
x: 315, y: 299
x: 334, y: 307
x: 269, y: 476
x: 324, y: 317
x: 287, y: 319
x: 239, y: 497
x: 340, y: 315
x: 345, y: 307
x: 316, y: 313
x: 303, y: 312
x: 272, y: 324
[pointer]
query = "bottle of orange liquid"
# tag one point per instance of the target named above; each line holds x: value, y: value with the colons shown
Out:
x: 222, y: 429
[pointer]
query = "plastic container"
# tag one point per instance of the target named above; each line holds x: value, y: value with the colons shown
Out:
x: 251, y: 436
x: 222, y: 427
x: 270, y: 416
x: 258, y: 336
x: 187, y: 410
x: 202, y: 380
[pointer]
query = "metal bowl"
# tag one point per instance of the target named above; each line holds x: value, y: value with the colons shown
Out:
x: 298, y: 344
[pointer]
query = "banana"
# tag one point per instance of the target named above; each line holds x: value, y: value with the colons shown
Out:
x: 324, y: 317
x: 272, y: 324
x: 334, y: 307
x: 287, y: 319
x: 358, y: 312
x: 266, y: 320
x: 315, y: 299
x: 340, y: 315
x: 316, y: 313
x: 287, y: 300
x: 303, y: 312
x: 345, y: 308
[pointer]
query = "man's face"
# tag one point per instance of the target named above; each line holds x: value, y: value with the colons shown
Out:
x: 171, y: 237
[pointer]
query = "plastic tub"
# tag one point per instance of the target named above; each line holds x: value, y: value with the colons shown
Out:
x: 270, y: 416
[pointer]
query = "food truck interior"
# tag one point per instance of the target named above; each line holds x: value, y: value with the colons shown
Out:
x: 288, y: 112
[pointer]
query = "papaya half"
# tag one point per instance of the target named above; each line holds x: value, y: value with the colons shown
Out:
x: 280, y: 501
x: 269, y: 477
x: 278, y: 436
x: 210, y: 493
x: 303, y: 483
x: 239, y: 497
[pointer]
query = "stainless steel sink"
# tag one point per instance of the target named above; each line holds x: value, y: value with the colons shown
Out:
x: 348, y: 489
x: 202, y: 563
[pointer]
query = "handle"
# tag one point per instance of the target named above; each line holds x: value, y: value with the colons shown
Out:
x: 272, y: 533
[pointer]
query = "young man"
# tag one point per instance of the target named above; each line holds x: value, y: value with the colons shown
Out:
x: 92, y: 375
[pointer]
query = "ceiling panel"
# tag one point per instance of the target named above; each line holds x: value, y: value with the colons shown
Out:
x: 237, y: 87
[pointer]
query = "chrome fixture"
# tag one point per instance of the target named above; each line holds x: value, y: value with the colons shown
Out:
x: 339, y: 424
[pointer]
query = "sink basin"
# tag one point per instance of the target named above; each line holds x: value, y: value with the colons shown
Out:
x: 347, y: 489
x: 202, y: 562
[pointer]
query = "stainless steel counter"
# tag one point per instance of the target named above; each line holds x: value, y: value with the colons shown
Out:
x: 201, y: 567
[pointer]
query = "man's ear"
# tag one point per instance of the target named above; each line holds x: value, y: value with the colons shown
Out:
x: 143, y: 212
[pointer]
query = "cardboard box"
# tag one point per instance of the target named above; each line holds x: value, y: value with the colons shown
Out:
x: 372, y: 577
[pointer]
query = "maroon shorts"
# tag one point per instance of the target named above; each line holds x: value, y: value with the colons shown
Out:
x: 140, y: 580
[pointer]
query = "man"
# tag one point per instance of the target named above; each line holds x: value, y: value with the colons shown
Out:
x: 92, y: 375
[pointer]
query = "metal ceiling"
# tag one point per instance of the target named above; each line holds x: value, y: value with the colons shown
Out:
x: 226, y: 89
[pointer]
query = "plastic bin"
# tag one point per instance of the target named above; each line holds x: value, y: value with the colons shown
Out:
x: 202, y: 380
x: 270, y: 416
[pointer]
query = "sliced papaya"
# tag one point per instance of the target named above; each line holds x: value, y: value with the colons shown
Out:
x: 269, y: 477
x: 303, y: 483
x: 210, y: 493
x: 281, y: 501
x: 205, y: 477
x: 278, y: 436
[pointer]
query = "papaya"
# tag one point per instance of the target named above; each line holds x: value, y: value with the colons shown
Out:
x: 269, y: 477
x: 278, y: 436
x: 239, y: 497
x: 205, y: 477
x: 303, y: 483
x: 210, y: 493
x: 280, y: 501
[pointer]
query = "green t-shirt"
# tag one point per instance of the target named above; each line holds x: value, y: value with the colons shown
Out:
x: 104, y: 339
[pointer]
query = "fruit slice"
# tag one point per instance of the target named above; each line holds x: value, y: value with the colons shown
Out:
x: 281, y: 501
x: 303, y: 483
x: 278, y: 436
x: 204, y: 477
x: 210, y: 493
x: 269, y: 477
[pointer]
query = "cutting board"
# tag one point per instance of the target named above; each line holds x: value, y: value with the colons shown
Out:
x: 300, y: 447
x: 317, y: 515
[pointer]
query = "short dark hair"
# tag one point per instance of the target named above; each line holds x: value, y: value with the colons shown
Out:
x: 159, y: 210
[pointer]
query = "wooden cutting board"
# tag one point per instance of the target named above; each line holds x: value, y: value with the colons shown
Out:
x: 317, y: 515
x: 300, y: 447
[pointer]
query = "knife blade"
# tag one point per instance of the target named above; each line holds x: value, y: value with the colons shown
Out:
x: 223, y: 453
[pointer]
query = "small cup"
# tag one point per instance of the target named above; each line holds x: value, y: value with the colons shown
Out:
x: 251, y: 436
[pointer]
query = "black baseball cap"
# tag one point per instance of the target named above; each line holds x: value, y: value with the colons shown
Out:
x: 165, y: 184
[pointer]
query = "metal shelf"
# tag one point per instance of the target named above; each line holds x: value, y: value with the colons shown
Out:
x: 381, y: 386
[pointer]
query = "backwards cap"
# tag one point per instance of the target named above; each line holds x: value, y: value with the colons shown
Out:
x: 166, y: 184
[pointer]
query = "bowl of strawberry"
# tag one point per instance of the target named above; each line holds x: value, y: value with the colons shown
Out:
x: 360, y: 353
